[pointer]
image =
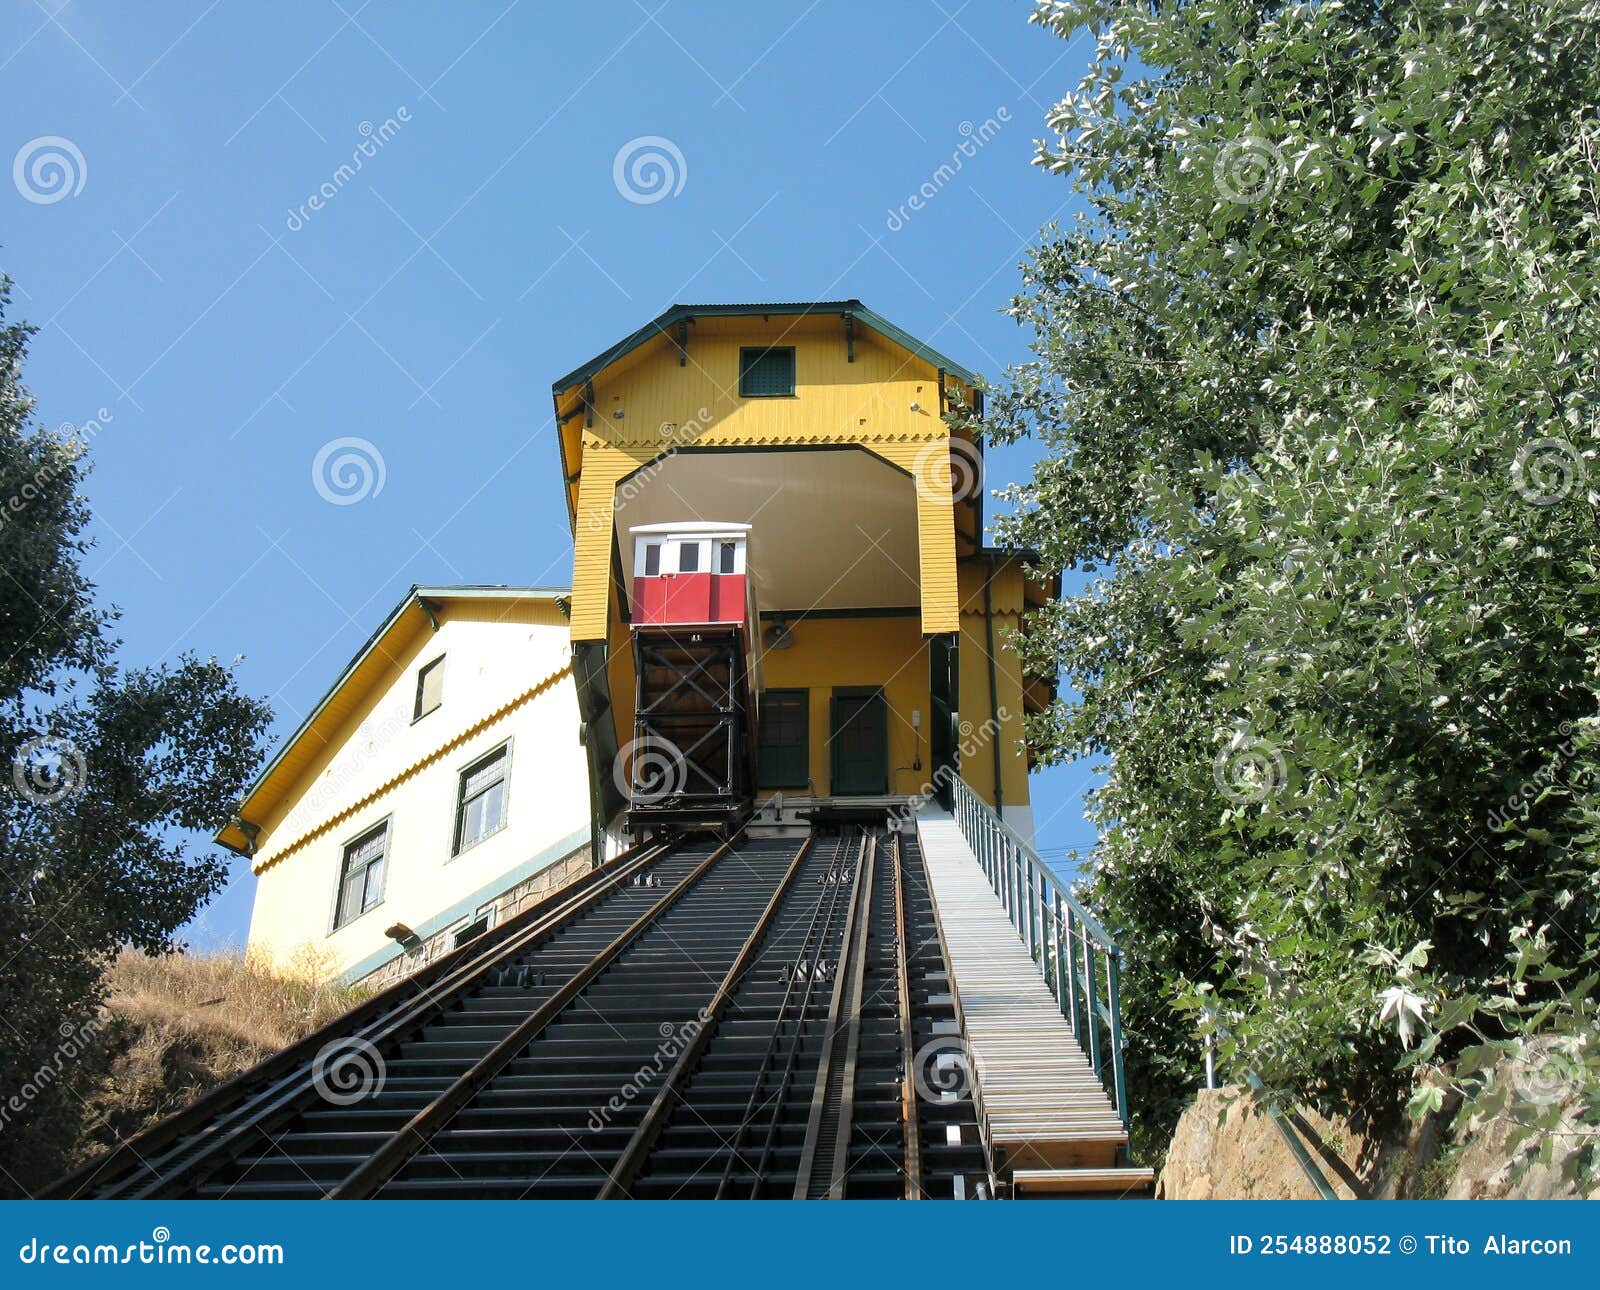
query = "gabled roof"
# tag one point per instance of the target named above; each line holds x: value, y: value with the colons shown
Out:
x: 663, y: 324
x: 420, y: 603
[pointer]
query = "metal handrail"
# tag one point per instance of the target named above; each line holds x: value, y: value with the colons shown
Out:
x: 1071, y: 948
x: 1318, y: 1180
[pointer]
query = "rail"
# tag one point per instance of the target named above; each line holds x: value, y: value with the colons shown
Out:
x: 184, y: 1144
x: 490, y: 1065
x: 1318, y: 1180
x: 908, y: 1034
x: 413, y: 1137
x: 632, y: 1160
x: 1073, y: 952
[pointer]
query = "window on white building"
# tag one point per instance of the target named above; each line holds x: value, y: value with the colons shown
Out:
x: 430, y: 688
x: 481, y: 803
x: 361, y: 876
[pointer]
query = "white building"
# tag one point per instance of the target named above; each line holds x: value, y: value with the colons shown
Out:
x: 437, y: 787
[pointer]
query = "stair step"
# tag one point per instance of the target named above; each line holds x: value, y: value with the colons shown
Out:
x: 1119, y: 1181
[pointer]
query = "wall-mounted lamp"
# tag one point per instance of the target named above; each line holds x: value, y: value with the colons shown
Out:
x: 407, y: 938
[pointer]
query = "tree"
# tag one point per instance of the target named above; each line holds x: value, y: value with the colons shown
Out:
x: 102, y: 772
x: 1315, y: 373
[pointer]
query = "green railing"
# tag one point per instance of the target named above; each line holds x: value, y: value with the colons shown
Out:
x: 1318, y: 1180
x: 1076, y: 955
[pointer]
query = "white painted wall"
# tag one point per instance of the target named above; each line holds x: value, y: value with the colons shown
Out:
x: 489, y: 664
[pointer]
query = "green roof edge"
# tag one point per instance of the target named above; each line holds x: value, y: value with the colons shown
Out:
x: 660, y: 325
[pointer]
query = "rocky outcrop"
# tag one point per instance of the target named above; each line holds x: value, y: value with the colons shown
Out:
x: 1226, y: 1147
x: 1486, y: 1160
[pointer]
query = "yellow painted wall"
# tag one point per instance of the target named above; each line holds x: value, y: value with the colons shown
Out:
x: 977, y: 763
x: 507, y: 676
x: 843, y: 652
x: 892, y: 652
x: 665, y: 405
x: 828, y: 653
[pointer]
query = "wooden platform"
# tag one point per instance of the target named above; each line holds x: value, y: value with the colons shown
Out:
x: 1042, y: 1104
x: 1128, y: 1181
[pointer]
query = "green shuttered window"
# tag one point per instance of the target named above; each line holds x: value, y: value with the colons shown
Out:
x: 766, y: 373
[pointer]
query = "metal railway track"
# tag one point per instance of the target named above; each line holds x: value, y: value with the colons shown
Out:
x: 739, y: 1125
x: 693, y: 1019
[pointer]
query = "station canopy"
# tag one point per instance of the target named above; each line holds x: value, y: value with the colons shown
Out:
x: 831, y: 528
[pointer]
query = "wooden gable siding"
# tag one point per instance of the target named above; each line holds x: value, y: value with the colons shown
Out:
x: 666, y: 404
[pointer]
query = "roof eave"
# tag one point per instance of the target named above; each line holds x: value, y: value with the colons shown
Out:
x: 417, y: 593
x: 661, y: 324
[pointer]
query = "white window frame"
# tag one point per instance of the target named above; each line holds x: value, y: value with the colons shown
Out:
x: 702, y: 546
x: 640, y: 553
x: 671, y: 546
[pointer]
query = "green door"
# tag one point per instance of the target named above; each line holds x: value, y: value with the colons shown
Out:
x: 860, y: 743
x: 783, y: 746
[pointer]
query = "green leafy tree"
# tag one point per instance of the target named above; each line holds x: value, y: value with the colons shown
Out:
x: 1315, y: 372
x: 103, y: 770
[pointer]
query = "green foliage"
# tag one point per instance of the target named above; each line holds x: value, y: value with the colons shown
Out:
x: 1316, y: 376
x: 102, y: 771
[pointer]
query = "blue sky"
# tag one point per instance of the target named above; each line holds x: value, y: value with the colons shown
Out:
x: 184, y: 285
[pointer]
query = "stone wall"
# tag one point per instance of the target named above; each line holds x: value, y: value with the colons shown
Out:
x: 508, y: 904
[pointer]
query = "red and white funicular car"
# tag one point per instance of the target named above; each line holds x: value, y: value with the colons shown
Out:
x: 691, y: 573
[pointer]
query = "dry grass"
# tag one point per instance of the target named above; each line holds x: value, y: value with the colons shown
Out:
x: 229, y: 997
x: 180, y: 1024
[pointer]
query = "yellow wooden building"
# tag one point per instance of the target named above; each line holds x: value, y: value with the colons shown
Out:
x: 816, y: 431
x: 822, y: 427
